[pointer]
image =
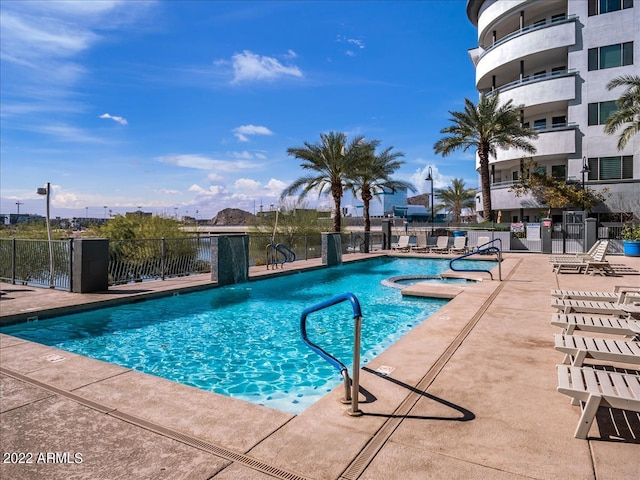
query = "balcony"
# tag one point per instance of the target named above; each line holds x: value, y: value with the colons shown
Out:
x: 557, y: 141
x: 526, y: 42
x: 551, y: 87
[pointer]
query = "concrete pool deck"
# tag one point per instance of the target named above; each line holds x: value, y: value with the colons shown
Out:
x: 471, y: 393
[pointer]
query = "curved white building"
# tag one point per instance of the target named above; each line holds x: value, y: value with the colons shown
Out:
x: 556, y: 57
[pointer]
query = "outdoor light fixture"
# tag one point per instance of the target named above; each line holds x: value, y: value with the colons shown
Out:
x: 585, y: 169
x: 430, y: 179
x: 47, y: 192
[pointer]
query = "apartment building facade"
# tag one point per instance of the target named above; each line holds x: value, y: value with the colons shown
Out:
x: 555, y: 58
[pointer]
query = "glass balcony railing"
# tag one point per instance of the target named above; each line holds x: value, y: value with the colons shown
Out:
x: 533, y: 79
x: 531, y: 28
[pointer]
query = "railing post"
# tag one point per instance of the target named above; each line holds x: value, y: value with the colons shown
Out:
x: 71, y: 264
x: 14, y: 256
x: 354, y: 411
x: 163, y: 259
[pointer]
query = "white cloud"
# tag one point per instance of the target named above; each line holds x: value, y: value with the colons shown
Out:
x: 242, y: 131
x: 67, y: 133
x: 120, y: 120
x: 247, y: 185
x: 168, y: 191
x: 418, y: 179
x: 275, y: 187
x: 248, y: 66
x: 214, y: 177
x: 201, y: 162
x: 351, y: 42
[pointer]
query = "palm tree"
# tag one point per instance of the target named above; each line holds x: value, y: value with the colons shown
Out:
x: 372, y: 175
x: 628, y: 110
x: 330, y: 162
x: 456, y: 197
x: 486, y: 127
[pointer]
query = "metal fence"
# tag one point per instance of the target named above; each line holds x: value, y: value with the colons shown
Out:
x: 26, y: 262
x: 138, y: 260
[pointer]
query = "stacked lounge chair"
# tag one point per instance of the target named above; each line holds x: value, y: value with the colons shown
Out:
x: 593, y: 386
x: 593, y: 260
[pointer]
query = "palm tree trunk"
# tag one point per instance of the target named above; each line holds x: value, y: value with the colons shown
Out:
x: 337, y: 214
x: 485, y: 181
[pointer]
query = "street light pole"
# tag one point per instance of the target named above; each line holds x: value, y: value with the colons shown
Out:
x: 585, y: 169
x: 430, y: 179
x: 47, y: 192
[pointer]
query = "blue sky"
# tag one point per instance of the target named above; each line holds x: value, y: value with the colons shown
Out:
x: 185, y: 106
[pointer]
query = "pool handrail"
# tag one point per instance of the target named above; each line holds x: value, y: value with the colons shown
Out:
x: 479, y: 249
x: 289, y: 254
x: 350, y: 396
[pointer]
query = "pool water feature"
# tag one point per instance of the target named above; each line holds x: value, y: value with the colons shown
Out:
x: 243, y: 340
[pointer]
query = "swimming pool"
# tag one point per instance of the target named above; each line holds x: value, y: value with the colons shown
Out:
x: 244, y: 340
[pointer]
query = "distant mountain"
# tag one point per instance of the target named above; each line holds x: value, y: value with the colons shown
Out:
x: 422, y: 199
x: 232, y: 216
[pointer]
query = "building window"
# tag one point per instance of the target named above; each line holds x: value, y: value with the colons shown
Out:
x: 611, y: 168
x: 540, y: 124
x: 610, y: 56
x: 599, y: 113
x: 560, y: 121
x: 559, y: 171
x: 598, y: 7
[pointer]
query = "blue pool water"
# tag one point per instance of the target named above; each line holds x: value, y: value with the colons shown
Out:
x: 244, y: 340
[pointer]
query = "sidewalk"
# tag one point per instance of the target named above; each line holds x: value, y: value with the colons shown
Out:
x: 472, y: 394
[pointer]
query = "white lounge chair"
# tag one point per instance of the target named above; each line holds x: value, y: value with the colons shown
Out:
x: 441, y: 246
x: 597, y: 324
x: 482, y: 241
x: 459, y: 245
x: 421, y: 243
x: 585, y: 263
x: 402, y: 245
x: 618, y: 295
x: 577, y: 256
x: 577, y: 348
x: 595, y: 388
x: 598, y: 308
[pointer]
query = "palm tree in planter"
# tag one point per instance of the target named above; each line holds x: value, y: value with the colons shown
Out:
x: 486, y: 127
x: 628, y: 109
x: 372, y: 175
x: 456, y: 197
x: 330, y: 164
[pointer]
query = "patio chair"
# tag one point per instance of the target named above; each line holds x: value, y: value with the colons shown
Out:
x: 421, y: 243
x: 577, y: 348
x: 402, y: 245
x: 441, y: 246
x: 481, y: 241
x: 583, y: 263
x: 577, y: 256
x: 618, y: 295
x: 596, y: 324
x: 459, y: 245
x: 595, y: 388
x: 598, y: 308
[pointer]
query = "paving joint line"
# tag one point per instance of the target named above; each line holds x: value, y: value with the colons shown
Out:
x: 361, y: 461
x: 219, y: 451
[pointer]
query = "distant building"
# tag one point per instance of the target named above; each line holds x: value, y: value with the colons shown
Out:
x: 389, y: 203
x: 556, y: 57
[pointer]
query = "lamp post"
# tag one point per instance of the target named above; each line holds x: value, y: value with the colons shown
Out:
x: 430, y: 179
x: 585, y: 169
x: 47, y: 192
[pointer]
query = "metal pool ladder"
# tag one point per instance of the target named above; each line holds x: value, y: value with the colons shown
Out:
x: 483, y: 249
x: 351, y: 396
